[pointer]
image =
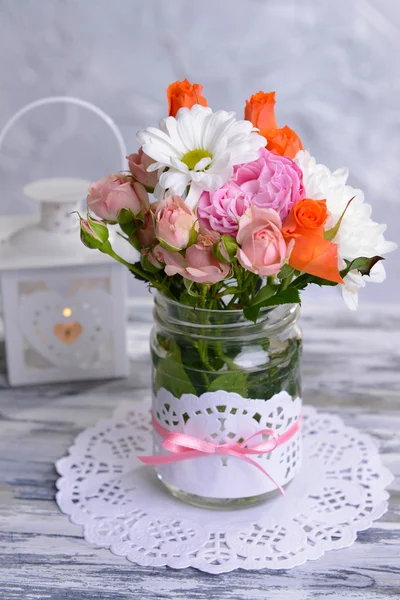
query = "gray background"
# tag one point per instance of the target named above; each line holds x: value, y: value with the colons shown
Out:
x: 334, y: 65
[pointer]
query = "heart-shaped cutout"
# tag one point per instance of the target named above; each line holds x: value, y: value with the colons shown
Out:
x: 67, y: 333
x: 41, y: 311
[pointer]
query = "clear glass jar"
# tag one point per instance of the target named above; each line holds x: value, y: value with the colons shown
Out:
x: 221, y: 378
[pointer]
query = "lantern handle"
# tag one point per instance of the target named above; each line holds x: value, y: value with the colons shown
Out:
x: 71, y: 100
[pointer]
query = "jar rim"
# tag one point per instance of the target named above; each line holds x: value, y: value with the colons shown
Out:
x: 172, y: 315
x: 233, y: 312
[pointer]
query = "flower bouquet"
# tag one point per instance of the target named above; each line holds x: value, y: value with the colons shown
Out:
x: 242, y: 219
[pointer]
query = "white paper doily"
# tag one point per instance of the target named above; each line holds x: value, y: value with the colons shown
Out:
x: 122, y: 506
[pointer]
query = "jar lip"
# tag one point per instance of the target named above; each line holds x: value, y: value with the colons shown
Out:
x: 233, y: 312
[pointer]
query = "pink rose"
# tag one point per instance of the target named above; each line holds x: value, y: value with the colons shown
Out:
x: 176, y: 224
x: 199, y: 263
x: 263, y: 249
x: 271, y: 181
x: 138, y: 165
x: 109, y: 195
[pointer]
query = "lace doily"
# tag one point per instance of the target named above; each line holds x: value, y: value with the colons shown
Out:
x: 121, y: 505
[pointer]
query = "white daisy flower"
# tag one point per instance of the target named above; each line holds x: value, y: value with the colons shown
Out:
x: 358, y: 234
x: 198, y: 148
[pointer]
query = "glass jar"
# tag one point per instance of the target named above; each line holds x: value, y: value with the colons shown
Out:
x: 220, y: 379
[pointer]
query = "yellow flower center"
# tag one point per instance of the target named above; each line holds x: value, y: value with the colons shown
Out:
x: 192, y: 157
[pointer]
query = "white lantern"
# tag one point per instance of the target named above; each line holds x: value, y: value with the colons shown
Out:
x: 63, y: 304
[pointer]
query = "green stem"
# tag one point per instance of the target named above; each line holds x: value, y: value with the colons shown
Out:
x: 227, y: 292
x: 285, y: 284
x: 131, y: 267
x: 253, y: 286
x: 228, y: 361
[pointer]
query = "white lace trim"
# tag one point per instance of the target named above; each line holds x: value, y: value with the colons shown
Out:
x: 226, y: 417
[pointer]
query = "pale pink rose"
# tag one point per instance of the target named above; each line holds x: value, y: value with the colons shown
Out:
x: 109, y: 195
x: 199, y: 263
x: 263, y: 249
x: 176, y: 224
x: 271, y: 181
x: 146, y: 234
x: 138, y: 165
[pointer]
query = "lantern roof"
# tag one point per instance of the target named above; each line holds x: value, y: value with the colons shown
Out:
x: 52, y: 239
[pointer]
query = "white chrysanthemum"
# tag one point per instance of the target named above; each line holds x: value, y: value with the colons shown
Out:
x: 198, y: 148
x: 358, y: 234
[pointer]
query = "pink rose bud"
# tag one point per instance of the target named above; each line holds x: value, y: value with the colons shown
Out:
x: 93, y: 233
x: 225, y: 249
x: 263, y: 249
x: 176, y: 224
x: 138, y: 165
x: 199, y: 263
x: 146, y: 234
x: 152, y: 259
x: 108, y: 196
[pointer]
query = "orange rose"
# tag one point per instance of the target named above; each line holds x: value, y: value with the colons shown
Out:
x: 260, y: 111
x: 311, y: 253
x: 283, y: 141
x: 306, y: 214
x: 184, y: 93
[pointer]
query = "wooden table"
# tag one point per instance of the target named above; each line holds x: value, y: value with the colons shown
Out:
x: 351, y: 366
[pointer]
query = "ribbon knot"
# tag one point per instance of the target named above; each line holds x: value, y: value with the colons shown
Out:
x: 184, y: 447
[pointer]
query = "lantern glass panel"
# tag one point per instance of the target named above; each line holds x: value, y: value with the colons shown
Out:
x: 61, y: 323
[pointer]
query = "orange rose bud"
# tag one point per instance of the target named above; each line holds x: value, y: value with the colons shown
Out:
x: 311, y: 253
x: 260, y: 110
x: 183, y: 93
x: 283, y: 141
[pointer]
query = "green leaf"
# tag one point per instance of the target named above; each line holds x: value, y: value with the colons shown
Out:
x: 321, y: 282
x: 125, y: 216
x: 138, y: 266
x: 304, y: 280
x: 233, y: 381
x: 301, y: 282
x: 129, y: 228
x: 288, y: 296
x: 331, y: 233
x: 193, y: 235
x: 265, y: 292
x: 171, y: 375
x: 285, y: 272
x: 361, y: 264
x: 188, y: 299
x: 251, y: 313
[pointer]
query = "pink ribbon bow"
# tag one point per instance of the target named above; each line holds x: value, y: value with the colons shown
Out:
x: 185, y: 447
